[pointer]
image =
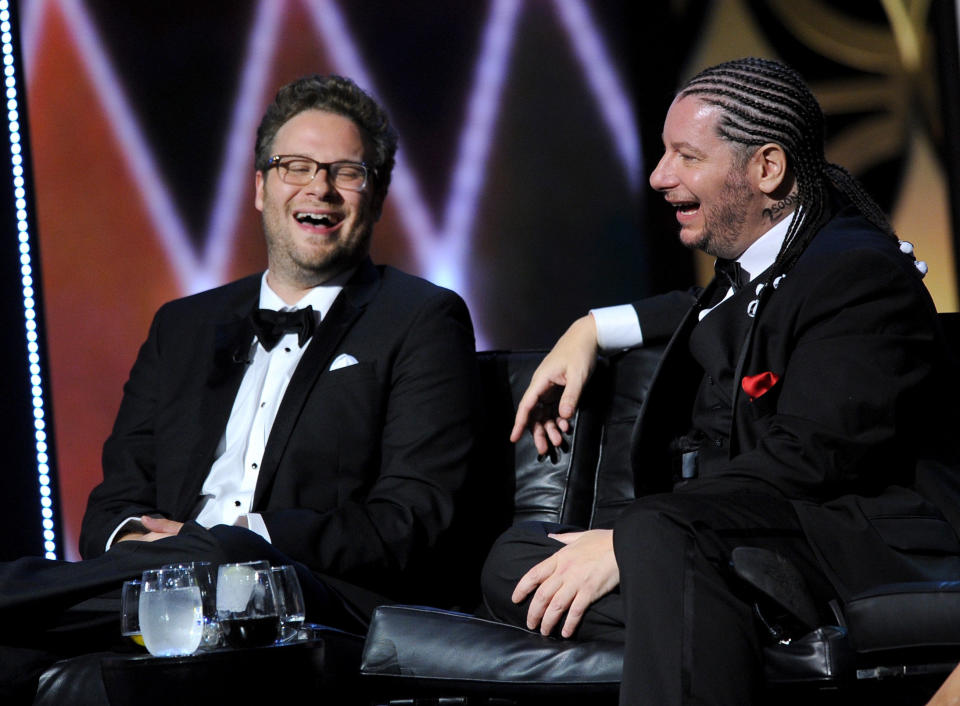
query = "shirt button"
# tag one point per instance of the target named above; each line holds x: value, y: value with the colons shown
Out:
x: 263, y: 404
x: 287, y: 350
x: 236, y: 503
x: 253, y: 466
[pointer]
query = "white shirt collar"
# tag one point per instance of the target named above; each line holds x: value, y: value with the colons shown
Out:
x: 764, y: 250
x: 320, y: 297
x: 758, y: 257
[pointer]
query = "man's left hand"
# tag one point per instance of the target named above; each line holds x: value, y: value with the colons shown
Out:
x: 569, y: 581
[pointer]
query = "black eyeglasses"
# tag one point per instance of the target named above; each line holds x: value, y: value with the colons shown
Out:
x: 300, y: 171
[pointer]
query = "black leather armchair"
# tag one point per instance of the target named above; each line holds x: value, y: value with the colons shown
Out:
x: 893, y: 644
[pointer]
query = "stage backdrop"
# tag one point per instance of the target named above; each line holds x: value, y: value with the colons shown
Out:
x: 528, y: 129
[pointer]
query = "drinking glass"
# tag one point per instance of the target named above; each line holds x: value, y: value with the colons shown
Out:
x: 130, y: 611
x: 207, y: 581
x: 290, y: 596
x: 247, y: 605
x: 171, y: 612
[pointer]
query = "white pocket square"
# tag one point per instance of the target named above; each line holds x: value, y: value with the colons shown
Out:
x: 342, y: 361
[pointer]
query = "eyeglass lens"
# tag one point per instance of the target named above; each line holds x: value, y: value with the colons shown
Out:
x: 301, y: 171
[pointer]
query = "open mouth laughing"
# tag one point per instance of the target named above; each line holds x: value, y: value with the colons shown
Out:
x: 318, y: 220
x: 685, y: 209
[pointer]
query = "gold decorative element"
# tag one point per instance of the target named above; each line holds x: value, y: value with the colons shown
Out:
x: 899, y: 54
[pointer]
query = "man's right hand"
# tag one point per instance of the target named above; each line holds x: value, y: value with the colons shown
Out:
x: 569, y: 364
x: 156, y: 528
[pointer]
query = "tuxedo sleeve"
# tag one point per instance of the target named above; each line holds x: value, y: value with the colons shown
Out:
x: 425, y: 441
x: 852, y: 348
x: 660, y: 315
x: 128, y: 488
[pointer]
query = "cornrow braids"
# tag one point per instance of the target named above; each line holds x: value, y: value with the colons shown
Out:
x: 763, y: 101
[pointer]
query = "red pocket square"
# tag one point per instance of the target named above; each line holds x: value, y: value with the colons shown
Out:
x: 757, y: 385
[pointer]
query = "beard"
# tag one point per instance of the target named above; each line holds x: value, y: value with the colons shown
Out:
x: 303, y: 267
x: 723, y: 221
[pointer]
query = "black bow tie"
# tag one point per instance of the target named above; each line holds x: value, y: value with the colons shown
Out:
x: 730, y: 272
x: 270, y: 325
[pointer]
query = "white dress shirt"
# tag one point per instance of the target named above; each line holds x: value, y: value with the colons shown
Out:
x: 618, y: 326
x: 230, y: 484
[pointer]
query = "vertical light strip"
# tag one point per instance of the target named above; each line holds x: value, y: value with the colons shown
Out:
x: 601, y: 75
x: 134, y: 146
x: 337, y: 39
x: 235, y: 172
x: 26, y: 281
x: 442, y: 251
x: 473, y: 150
x: 30, y: 19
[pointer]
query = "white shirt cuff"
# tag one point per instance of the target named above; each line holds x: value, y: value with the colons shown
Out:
x: 256, y: 524
x: 617, y: 327
x: 126, y: 524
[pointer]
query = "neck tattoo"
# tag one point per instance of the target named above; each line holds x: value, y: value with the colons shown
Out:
x: 775, y: 213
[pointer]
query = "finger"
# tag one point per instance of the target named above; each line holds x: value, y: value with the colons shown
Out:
x: 151, y: 523
x: 556, y: 438
x: 559, y: 603
x: 565, y: 537
x: 530, y: 580
x: 519, y: 424
x: 156, y: 524
x: 570, y: 398
x: 526, y: 405
x: 541, y: 601
x: 162, y: 525
x: 540, y: 438
x: 575, y: 613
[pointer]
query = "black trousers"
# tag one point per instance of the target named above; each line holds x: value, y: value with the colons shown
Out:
x: 55, y: 609
x: 687, y: 623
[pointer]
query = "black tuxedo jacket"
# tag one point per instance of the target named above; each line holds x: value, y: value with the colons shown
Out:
x: 362, y: 464
x: 852, y: 430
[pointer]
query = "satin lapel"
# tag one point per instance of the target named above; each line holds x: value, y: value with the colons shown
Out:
x: 741, y: 361
x: 315, y: 361
x: 672, y: 382
x: 232, y: 344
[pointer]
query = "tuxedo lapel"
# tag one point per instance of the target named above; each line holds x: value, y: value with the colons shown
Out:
x: 745, y: 346
x: 232, y: 341
x: 665, y: 412
x: 316, y: 360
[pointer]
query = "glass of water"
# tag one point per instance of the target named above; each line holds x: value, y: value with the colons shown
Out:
x: 171, y: 612
x: 130, y: 611
x: 206, y: 576
x: 290, y: 595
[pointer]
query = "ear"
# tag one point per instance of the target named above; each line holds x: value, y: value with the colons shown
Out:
x: 258, y: 192
x: 768, y: 167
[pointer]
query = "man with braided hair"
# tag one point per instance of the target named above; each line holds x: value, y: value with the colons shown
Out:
x: 793, y: 408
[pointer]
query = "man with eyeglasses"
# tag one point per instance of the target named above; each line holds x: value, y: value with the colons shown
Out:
x: 318, y: 413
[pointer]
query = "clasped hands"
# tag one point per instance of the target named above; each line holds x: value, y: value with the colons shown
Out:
x: 157, y: 528
x: 585, y: 568
x: 161, y: 528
